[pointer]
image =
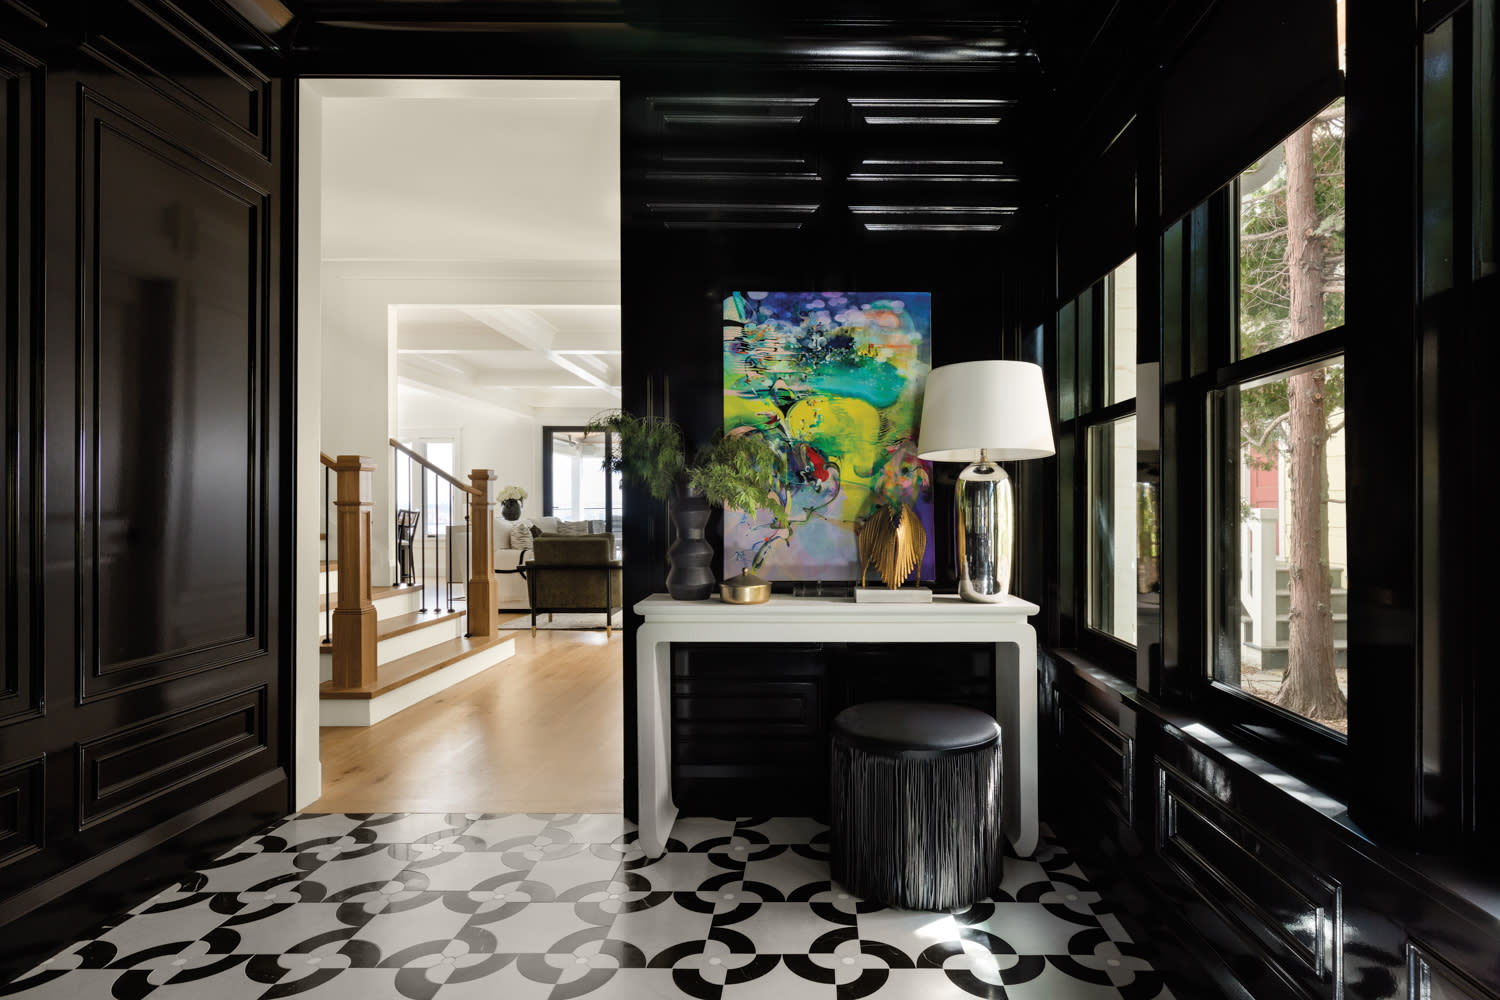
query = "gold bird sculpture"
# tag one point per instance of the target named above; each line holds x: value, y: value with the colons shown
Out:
x: 893, y: 539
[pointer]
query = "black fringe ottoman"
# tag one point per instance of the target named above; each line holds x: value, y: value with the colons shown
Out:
x: 915, y: 816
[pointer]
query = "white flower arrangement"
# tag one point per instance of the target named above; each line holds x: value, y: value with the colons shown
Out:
x: 512, y: 493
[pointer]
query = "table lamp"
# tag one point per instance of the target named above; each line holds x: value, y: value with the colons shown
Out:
x: 985, y: 412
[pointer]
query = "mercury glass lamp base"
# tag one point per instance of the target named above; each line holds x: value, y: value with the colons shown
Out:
x: 986, y: 532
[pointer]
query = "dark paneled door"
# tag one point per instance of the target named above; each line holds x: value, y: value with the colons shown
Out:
x: 144, y: 608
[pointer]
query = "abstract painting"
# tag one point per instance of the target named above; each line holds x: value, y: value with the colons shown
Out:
x: 834, y: 381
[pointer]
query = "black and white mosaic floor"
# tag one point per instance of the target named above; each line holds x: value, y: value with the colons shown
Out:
x: 512, y: 907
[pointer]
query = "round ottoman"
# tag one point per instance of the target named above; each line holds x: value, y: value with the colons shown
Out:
x: 915, y: 812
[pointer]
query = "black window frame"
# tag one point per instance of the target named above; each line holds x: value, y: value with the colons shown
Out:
x: 1087, y: 348
x: 547, y: 499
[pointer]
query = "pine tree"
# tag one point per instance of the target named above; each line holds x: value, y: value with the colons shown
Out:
x: 1291, y: 288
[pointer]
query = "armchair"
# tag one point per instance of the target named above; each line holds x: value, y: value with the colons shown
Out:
x: 574, y: 573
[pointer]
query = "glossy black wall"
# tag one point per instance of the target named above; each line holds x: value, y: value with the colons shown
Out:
x: 1279, y: 866
x: 148, y: 544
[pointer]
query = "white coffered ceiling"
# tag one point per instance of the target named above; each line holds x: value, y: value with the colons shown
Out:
x: 500, y: 178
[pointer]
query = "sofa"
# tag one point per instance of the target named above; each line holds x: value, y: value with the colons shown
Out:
x: 510, y: 559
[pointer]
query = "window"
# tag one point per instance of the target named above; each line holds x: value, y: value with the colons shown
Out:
x: 1286, y: 432
x: 1292, y: 210
x: 427, y: 491
x: 579, y: 486
x: 1267, y: 345
x: 1097, y: 372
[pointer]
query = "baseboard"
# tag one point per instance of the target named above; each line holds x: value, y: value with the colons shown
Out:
x: 78, y: 903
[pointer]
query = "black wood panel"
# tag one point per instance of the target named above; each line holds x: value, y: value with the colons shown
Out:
x: 1236, y: 871
x: 168, y: 433
x: 128, y: 768
x: 1288, y: 908
x: 141, y: 290
x: 750, y: 724
x: 22, y: 683
x: 154, y: 43
x: 1432, y: 978
x: 749, y: 728
x: 22, y: 819
x: 1104, y: 753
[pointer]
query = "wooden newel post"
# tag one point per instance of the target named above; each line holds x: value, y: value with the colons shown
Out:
x: 354, y: 614
x: 484, y: 591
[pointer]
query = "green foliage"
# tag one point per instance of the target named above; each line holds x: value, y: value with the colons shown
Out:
x: 649, y: 453
x: 741, y: 471
x: 1265, y: 279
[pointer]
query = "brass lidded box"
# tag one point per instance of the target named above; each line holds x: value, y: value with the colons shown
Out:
x: 747, y: 588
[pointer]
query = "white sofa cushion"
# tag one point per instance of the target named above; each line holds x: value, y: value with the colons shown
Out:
x: 520, y: 535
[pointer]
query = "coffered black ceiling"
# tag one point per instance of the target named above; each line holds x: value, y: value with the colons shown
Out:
x: 1026, y: 36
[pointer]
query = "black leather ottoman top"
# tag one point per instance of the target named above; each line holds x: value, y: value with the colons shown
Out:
x: 914, y: 727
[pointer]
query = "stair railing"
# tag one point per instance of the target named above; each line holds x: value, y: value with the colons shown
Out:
x: 476, y: 587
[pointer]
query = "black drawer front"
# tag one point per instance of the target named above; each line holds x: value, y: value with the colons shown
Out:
x: 950, y: 673
x: 749, y: 728
x: 750, y: 724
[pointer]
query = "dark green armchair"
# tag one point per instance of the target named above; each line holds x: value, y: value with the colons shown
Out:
x: 574, y: 573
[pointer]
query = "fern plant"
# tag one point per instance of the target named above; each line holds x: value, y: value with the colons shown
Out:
x: 741, y: 471
x: 650, y: 451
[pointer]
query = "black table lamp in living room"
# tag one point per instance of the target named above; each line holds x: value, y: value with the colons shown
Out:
x: 984, y: 413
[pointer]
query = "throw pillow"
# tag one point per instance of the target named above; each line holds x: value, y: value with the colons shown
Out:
x: 536, y: 531
x: 572, y: 527
x: 520, y: 535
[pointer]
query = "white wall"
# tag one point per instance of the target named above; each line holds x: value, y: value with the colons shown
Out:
x: 489, y: 436
x: 360, y: 409
x: 307, y: 778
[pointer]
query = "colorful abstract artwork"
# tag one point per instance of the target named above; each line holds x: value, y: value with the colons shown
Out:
x: 834, y: 381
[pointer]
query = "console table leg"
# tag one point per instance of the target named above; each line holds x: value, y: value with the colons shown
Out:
x: 653, y: 741
x: 1015, y: 709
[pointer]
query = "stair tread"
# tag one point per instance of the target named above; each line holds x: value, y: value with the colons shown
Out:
x: 389, y: 628
x: 376, y: 593
x: 396, y: 673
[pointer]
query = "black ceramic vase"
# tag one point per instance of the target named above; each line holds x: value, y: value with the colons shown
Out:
x: 690, y: 574
x: 510, y: 510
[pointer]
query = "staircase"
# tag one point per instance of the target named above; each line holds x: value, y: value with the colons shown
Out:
x: 392, y: 647
x: 1273, y: 647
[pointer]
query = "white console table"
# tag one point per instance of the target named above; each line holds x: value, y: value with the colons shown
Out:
x: 833, y: 619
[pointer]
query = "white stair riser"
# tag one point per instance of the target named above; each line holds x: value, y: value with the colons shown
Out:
x: 407, y: 643
x: 328, y: 584
x: 367, y: 712
x: 398, y: 604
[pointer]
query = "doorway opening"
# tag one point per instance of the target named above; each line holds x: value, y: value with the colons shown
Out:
x: 458, y: 292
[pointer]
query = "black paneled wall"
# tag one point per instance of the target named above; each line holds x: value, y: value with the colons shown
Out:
x: 804, y: 180
x: 143, y: 612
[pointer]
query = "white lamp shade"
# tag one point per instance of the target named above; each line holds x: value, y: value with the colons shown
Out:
x: 999, y: 406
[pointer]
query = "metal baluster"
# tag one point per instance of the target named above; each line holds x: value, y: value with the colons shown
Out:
x: 450, y: 548
x: 421, y: 535
x: 469, y: 539
x: 327, y: 597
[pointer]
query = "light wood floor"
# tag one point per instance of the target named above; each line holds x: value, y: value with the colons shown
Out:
x: 539, y: 732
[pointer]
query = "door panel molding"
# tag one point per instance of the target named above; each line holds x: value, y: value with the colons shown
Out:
x: 22, y: 678
x: 227, y: 92
x: 125, y: 769
x: 112, y: 140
